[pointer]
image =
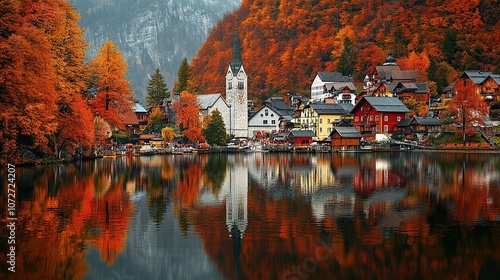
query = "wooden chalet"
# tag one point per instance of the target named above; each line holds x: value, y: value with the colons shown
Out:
x: 414, y: 125
x: 345, y: 138
x: 378, y: 115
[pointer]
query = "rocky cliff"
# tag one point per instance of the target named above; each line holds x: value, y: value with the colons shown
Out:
x: 151, y: 33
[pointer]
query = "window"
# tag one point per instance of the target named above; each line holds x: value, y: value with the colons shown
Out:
x: 356, y: 118
x: 328, y: 120
x: 377, y: 118
x: 273, y: 121
x: 320, y: 120
x: 377, y: 128
x: 371, y: 118
x: 230, y: 85
x: 329, y: 130
x: 241, y: 85
x: 386, y: 118
x: 386, y: 128
x: 399, y: 118
x: 266, y: 112
x: 320, y: 129
x: 264, y: 121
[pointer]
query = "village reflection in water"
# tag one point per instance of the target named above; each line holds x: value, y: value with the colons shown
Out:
x: 260, y: 216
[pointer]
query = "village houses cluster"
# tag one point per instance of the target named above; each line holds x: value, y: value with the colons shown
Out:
x: 339, y: 110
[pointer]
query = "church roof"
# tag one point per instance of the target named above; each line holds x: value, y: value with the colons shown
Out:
x: 236, y: 61
x: 208, y: 100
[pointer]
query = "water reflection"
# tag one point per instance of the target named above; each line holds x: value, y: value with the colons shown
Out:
x: 260, y: 216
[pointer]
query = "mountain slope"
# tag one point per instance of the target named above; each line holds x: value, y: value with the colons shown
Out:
x: 285, y: 43
x: 151, y: 33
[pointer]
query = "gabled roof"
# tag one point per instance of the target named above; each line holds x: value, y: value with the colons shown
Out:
x: 422, y: 87
x: 419, y: 121
x: 330, y: 109
x: 347, y: 132
x: 302, y: 133
x: 383, y: 104
x: 404, y: 75
x: 268, y: 108
x: 333, y: 77
x: 478, y: 76
x: 138, y: 108
x: 208, y: 100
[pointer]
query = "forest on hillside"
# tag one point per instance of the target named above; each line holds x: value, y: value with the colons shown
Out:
x: 284, y: 43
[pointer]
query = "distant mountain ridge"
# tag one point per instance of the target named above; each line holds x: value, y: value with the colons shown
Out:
x: 151, y: 33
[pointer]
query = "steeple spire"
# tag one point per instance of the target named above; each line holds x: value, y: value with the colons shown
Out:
x: 236, y: 60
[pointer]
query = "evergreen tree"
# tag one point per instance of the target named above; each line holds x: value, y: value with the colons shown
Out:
x: 347, y: 59
x: 183, y: 77
x: 215, y: 131
x: 157, y: 89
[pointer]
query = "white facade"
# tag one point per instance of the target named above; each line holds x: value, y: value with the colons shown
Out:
x: 236, y: 96
x: 264, y: 120
x: 212, y: 102
x: 324, y: 82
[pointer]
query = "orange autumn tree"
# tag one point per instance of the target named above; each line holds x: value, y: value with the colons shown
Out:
x: 187, y: 112
x: 60, y: 22
x: 113, y: 95
x: 27, y: 78
x: 468, y: 107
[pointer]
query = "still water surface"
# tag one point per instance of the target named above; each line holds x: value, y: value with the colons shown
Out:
x: 259, y: 216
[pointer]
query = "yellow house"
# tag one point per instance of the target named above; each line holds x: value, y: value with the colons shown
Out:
x: 319, y: 117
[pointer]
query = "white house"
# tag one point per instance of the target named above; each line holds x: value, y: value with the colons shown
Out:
x: 212, y: 102
x: 326, y: 83
x: 265, y: 120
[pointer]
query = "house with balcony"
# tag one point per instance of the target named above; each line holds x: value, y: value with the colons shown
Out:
x: 325, y: 84
x: 377, y: 116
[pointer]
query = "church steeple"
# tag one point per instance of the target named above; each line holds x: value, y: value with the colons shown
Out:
x: 236, y: 60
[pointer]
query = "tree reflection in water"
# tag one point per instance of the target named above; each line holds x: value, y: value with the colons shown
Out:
x: 262, y: 216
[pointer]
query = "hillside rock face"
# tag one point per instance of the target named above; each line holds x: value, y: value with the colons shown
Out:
x: 151, y: 33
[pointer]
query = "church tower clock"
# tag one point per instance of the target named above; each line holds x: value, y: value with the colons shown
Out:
x: 236, y: 91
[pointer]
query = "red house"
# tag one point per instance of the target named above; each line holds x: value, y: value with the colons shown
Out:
x: 377, y: 115
x: 301, y: 137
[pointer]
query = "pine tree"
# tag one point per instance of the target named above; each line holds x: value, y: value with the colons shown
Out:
x: 157, y: 89
x: 347, y: 59
x: 183, y: 77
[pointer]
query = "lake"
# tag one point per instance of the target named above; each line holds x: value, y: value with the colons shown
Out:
x: 379, y: 215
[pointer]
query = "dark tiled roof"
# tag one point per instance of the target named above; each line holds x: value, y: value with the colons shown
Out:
x: 333, y: 77
x: 347, y: 132
x: 386, y: 104
x: 302, y: 133
x: 330, y: 109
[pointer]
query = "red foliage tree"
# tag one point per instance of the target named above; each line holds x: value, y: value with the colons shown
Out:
x: 187, y: 112
x: 468, y: 107
x: 114, y: 97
